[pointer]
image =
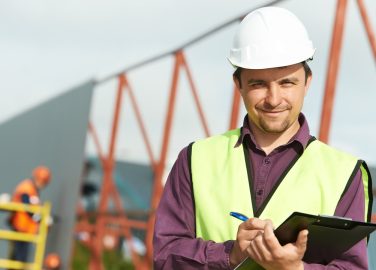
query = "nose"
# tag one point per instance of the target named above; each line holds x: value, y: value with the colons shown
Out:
x: 273, y: 96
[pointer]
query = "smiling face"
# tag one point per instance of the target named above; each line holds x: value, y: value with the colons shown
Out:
x: 274, y: 97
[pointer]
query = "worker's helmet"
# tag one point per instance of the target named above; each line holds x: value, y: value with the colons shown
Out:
x: 270, y: 37
x: 42, y: 175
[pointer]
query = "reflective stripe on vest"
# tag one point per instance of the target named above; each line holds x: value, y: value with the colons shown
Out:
x: 313, y: 185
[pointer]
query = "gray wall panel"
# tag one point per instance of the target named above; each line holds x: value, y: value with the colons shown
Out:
x: 53, y: 134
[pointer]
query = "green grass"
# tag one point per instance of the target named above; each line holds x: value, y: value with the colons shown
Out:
x: 81, y: 256
x: 112, y: 259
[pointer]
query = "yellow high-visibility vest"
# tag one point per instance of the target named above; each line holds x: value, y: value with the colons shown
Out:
x: 314, y: 184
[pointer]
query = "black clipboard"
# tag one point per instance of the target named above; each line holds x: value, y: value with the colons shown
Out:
x: 328, y: 238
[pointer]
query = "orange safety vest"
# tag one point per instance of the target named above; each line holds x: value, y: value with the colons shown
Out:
x: 22, y: 221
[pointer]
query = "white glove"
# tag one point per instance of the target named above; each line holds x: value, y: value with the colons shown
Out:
x: 36, y: 217
x: 50, y: 220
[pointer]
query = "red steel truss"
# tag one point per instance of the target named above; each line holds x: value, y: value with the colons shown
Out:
x: 102, y: 227
x: 334, y: 59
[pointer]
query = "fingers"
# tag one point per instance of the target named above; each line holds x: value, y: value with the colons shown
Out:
x: 301, y: 242
x: 253, y: 224
x: 266, y: 244
x: 271, y: 240
x: 247, y: 231
x: 266, y: 250
x: 252, y: 228
x: 257, y: 249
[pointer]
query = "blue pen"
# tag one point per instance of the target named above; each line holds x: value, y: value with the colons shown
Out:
x: 239, y: 216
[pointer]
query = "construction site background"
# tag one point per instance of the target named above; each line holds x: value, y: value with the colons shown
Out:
x: 156, y: 88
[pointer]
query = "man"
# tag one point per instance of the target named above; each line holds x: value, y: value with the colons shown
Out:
x: 27, y: 192
x: 268, y: 169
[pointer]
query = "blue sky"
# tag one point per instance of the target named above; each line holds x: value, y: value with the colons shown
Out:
x: 46, y: 47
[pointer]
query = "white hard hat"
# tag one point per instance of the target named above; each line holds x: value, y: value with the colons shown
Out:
x: 270, y: 37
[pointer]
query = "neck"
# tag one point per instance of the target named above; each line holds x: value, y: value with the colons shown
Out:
x: 270, y: 141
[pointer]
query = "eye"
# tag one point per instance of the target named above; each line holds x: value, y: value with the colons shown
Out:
x: 287, y: 83
x: 256, y: 85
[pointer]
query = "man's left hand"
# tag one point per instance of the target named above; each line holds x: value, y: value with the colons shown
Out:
x: 267, y: 252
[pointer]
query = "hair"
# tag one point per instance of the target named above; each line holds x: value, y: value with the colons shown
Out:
x: 307, y: 70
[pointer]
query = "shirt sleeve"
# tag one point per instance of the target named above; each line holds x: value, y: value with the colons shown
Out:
x: 175, y: 243
x: 351, y: 205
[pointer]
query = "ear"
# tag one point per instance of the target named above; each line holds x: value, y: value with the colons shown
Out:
x: 307, y: 85
x: 236, y: 81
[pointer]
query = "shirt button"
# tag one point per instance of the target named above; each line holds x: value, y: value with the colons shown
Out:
x: 267, y: 161
x: 260, y: 192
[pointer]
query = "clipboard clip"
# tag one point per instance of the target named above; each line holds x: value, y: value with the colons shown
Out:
x: 336, y: 217
x: 334, y: 222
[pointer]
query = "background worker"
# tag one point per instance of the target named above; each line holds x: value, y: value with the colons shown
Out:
x: 27, y: 192
x: 266, y: 170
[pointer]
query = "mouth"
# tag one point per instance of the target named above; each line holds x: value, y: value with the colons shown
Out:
x: 273, y: 113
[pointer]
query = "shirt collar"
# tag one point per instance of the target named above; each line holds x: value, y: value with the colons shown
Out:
x: 302, y: 136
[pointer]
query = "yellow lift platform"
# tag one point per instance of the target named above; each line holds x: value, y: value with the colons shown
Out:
x: 38, y: 239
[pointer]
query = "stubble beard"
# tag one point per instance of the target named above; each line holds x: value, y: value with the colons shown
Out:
x: 274, y: 128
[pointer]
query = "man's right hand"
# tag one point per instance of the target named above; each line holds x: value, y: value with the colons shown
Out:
x: 247, y: 231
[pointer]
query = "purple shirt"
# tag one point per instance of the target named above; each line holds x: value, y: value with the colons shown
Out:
x: 175, y: 242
